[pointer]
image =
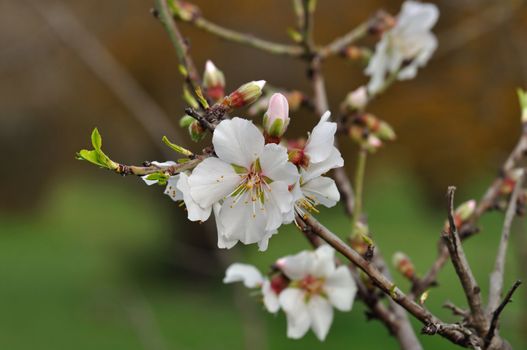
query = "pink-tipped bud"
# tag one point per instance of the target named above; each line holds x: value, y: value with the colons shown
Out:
x: 276, y: 119
x: 214, y: 81
x: 357, y: 99
x: 196, y: 131
x: 245, y: 95
x: 465, y: 211
x: 403, y: 264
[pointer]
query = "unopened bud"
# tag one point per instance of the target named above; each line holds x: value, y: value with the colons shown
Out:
x: 183, y: 10
x: 403, y: 264
x: 522, y: 96
x: 510, y: 181
x: 214, y: 81
x: 276, y: 119
x: 245, y: 94
x: 196, y: 131
x: 357, y: 99
x: 465, y: 211
x: 373, y: 142
x: 298, y: 157
x: 381, y: 22
x: 385, y: 131
x: 295, y: 99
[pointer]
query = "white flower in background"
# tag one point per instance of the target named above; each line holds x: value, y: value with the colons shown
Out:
x: 357, y: 99
x: 317, y: 286
x: 319, y: 156
x: 405, y: 47
x: 249, y: 180
x: 252, y: 278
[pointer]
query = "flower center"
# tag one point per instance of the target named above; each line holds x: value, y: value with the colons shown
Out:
x: 312, y: 285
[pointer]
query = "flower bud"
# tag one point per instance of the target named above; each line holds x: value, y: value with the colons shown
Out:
x: 185, y: 11
x: 385, y: 131
x: 404, y: 265
x: 245, y: 94
x: 357, y: 99
x: 465, y: 211
x: 522, y: 95
x: 214, y: 81
x: 196, y: 131
x: 276, y: 119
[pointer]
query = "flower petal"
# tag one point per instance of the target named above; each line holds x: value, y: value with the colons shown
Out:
x: 297, y: 266
x: 316, y: 169
x: 298, y: 320
x: 248, y: 274
x: 341, y: 289
x: 270, y: 298
x: 223, y: 242
x: 238, y: 141
x: 323, y: 190
x: 321, y: 314
x: 323, y: 261
x: 320, y: 142
x: 195, y: 212
x: 171, y: 190
x: 211, y: 181
x: 275, y: 164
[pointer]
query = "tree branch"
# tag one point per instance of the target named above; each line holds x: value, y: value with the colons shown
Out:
x: 149, y: 168
x: 496, y: 314
x: 339, y: 44
x: 496, y: 277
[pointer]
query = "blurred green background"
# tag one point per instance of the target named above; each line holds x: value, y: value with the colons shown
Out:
x: 91, y: 260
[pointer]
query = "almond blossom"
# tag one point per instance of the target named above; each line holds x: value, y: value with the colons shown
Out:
x: 306, y: 287
x: 318, y: 156
x: 405, y: 47
x: 248, y: 183
x: 317, y: 286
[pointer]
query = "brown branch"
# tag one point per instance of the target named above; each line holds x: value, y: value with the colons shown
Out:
x: 496, y: 314
x: 455, y: 333
x: 149, y: 168
x: 496, y: 277
x: 462, y: 267
x: 457, y: 311
x: 336, y: 46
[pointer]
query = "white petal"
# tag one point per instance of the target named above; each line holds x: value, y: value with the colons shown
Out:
x: 195, y: 212
x: 323, y: 190
x: 243, y: 219
x: 341, y: 289
x: 416, y: 16
x: 163, y: 164
x: 171, y: 190
x: 280, y: 197
x: 298, y: 320
x: 377, y: 66
x: 238, y: 141
x: 264, y: 242
x: 148, y: 182
x: 223, y: 242
x: 316, y: 169
x: 211, y: 181
x: 270, y: 298
x: 320, y: 142
x: 321, y: 314
x: 275, y: 164
x: 323, y: 261
x: 297, y: 266
x: 248, y: 274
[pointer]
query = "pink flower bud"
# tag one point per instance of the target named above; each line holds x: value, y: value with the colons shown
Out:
x: 403, y: 264
x: 276, y: 119
x: 357, y: 99
x: 246, y: 94
x: 465, y: 211
x: 214, y: 81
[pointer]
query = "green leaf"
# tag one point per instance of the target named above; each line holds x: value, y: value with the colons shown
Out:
x: 202, y: 100
x: 185, y: 121
x: 294, y: 35
x: 183, y: 70
x: 96, y: 139
x: 161, y: 178
x: 177, y: 148
x: 191, y: 101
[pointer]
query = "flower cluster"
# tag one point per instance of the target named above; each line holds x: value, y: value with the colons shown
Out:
x: 306, y: 286
x: 254, y: 184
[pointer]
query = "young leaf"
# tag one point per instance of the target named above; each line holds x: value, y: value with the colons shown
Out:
x: 177, y: 148
x: 96, y: 139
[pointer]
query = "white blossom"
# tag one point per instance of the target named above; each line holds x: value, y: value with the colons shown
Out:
x: 406, y: 46
x: 248, y: 184
x: 312, y: 188
x: 317, y: 286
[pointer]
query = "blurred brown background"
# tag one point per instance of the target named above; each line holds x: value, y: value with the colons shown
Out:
x: 460, y: 113
x: 67, y: 66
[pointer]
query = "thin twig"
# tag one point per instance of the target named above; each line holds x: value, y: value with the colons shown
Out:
x: 179, y: 43
x: 496, y: 277
x: 339, y: 44
x: 123, y: 169
x: 496, y: 314
x: 462, y: 267
x: 456, y: 310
